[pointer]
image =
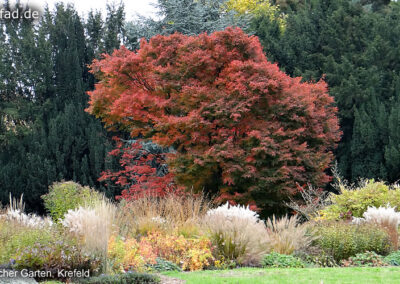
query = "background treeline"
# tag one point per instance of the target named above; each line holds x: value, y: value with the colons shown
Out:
x: 46, y: 136
x: 355, y: 46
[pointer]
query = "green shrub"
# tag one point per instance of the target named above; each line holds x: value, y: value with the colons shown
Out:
x: 126, y: 278
x: 393, y: 258
x: 324, y: 260
x: 55, y: 256
x: 342, y: 240
x: 22, y: 238
x: 368, y: 258
x: 281, y: 261
x: 164, y: 265
x: 64, y: 196
x: 7, y: 232
x: 353, y: 202
x: 314, y: 256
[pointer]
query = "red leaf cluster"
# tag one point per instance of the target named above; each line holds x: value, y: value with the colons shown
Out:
x: 137, y: 175
x: 231, y: 115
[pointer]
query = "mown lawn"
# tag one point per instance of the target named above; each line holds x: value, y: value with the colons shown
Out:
x: 293, y: 275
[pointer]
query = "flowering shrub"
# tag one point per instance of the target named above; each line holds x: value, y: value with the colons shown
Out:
x: 28, y: 220
x: 189, y: 253
x: 129, y: 254
x: 13, y: 237
x: 238, y: 211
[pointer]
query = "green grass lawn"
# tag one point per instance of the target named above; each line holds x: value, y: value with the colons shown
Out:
x: 293, y: 275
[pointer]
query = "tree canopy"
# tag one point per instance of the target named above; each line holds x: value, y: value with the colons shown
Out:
x: 242, y: 129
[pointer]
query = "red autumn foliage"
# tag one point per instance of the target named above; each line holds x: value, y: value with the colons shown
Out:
x: 242, y: 128
x: 138, y: 175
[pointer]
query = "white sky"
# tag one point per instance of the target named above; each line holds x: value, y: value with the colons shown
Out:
x: 132, y: 7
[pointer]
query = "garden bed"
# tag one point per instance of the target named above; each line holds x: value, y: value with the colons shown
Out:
x: 133, y: 242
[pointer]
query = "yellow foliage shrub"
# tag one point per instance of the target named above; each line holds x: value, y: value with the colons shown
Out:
x: 130, y: 254
x: 354, y: 201
x: 189, y: 253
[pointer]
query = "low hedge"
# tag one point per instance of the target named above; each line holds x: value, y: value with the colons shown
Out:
x: 126, y: 278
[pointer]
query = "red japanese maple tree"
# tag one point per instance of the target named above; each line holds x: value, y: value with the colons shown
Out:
x: 242, y: 129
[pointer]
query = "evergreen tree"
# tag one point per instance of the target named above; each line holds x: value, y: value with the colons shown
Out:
x: 392, y: 149
x: 94, y: 33
x: 52, y: 137
x: 94, y: 29
x: 190, y: 17
x: 114, y: 27
x: 354, y: 47
x: 18, y: 78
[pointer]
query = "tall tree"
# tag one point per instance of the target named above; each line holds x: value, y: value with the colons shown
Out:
x: 241, y: 128
x: 59, y: 140
x: 94, y: 32
x: 114, y: 27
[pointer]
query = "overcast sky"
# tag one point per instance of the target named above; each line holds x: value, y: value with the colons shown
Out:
x: 132, y: 7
